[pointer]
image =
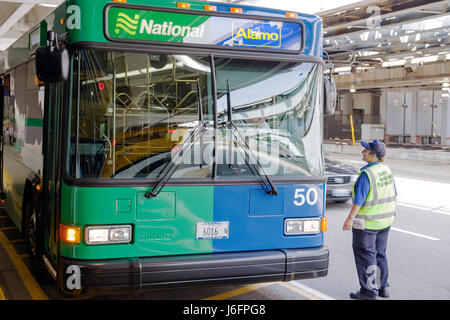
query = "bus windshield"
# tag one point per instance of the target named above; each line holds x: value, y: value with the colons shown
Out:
x: 133, y: 114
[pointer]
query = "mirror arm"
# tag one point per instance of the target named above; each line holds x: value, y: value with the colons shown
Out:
x: 54, y: 40
x: 330, y: 91
x: 328, y: 63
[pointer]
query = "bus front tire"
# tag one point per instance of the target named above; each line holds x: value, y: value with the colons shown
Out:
x: 31, y: 235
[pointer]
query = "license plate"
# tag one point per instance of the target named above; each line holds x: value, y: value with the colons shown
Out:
x: 341, y: 193
x: 212, y: 230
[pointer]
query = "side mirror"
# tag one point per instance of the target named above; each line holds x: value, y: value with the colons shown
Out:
x: 330, y: 96
x: 52, y: 63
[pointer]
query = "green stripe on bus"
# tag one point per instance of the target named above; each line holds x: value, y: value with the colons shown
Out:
x: 154, y: 234
x: 34, y: 122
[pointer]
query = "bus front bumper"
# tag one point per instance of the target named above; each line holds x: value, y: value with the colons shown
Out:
x: 76, y: 276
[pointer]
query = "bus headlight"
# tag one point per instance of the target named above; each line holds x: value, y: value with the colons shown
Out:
x: 301, y: 226
x: 108, y: 234
x: 311, y: 226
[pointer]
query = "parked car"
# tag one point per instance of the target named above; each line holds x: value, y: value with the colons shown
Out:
x: 340, y: 180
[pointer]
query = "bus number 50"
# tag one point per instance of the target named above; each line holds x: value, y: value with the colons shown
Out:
x: 310, y: 197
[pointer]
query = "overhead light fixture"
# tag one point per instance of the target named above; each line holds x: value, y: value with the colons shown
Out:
x: 49, y: 5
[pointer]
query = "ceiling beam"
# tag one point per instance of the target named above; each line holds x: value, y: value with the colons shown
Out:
x: 435, y: 7
x: 15, y: 17
x: 389, y: 26
x: 6, y: 32
x: 364, y: 3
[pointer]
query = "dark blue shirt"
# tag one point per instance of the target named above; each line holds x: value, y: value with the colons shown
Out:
x: 362, y: 186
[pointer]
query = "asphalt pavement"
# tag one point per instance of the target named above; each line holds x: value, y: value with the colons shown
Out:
x: 418, y: 248
x: 420, y: 161
x: 419, y: 241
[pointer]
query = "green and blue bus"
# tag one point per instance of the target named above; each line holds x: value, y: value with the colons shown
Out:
x: 150, y: 144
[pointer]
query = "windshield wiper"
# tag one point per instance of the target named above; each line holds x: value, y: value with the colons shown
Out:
x: 270, y: 186
x: 177, y: 159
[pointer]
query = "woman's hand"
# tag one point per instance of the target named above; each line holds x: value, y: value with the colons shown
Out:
x: 347, y: 224
x: 349, y: 221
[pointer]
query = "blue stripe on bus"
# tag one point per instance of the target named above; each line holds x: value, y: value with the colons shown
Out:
x: 256, y: 219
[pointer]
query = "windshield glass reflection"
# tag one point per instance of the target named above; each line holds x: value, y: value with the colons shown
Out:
x: 134, y: 114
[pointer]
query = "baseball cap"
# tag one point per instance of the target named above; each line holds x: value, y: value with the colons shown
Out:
x: 376, y: 147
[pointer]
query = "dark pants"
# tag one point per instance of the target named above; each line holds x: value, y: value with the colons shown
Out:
x: 369, y: 248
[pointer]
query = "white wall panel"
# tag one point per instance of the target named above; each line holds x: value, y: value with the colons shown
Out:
x: 394, y: 113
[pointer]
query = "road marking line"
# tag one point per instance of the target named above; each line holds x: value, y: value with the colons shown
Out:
x: 424, y: 208
x: 239, y: 291
x: 299, y: 291
x: 447, y: 213
x: 416, y: 234
x: 2, y: 295
x: 28, y: 280
x: 306, y: 291
x: 420, y: 178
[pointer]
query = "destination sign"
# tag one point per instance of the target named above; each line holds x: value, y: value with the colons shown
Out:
x: 142, y: 25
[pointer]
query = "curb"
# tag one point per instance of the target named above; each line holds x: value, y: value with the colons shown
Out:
x: 393, y: 153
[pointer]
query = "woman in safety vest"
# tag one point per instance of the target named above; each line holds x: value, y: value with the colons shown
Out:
x: 372, y: 214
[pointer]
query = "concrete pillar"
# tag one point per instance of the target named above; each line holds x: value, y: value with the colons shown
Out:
x: 437, y: 117
x: 346, y: 105
x: 414, y: 101
x: 445, y: 124
x: 383, y: 106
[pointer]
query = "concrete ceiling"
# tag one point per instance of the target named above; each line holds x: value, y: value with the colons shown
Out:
x: 18, y: 17
x: 408, y: 40
x: 361, y: 37
x: 402, y: 29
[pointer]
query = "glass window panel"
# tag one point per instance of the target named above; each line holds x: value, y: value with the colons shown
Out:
x: 133, y: 111
x: 138, y: 116
x: 273, y: 105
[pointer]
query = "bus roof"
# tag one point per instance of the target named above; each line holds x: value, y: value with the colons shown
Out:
x: 83, y: 21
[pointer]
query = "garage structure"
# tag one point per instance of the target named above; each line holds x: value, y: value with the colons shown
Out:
x: 392, y: 69
x: 391, y: 64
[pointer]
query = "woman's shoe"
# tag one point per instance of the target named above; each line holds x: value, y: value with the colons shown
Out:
x: 383, y: 292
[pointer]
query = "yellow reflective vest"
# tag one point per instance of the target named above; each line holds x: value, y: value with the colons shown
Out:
x: 379, y: 209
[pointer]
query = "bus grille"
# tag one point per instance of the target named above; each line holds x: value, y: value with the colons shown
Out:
x: 338, y: 180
